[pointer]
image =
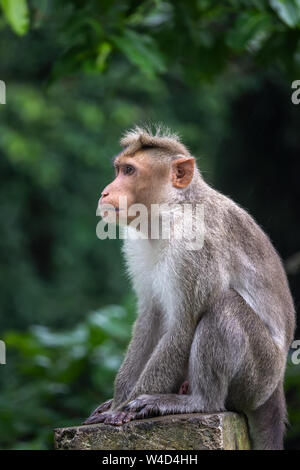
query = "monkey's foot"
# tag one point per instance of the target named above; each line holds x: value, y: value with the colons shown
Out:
x: 97, y: 412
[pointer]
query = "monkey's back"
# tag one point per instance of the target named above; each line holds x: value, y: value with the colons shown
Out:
x: 255, y: 268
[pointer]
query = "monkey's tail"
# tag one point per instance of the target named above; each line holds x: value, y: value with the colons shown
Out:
x: 268, y: 422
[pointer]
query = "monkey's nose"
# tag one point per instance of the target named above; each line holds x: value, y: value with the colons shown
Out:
x: 104, y: 194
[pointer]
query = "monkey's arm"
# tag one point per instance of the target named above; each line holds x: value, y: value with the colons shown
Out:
x: 144, y: 339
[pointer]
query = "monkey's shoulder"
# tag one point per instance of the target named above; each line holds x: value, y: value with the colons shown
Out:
x: 235, y: 227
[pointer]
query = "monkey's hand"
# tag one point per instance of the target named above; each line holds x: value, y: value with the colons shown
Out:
x: 93, y: 418
x: 113, y: 417
x: 144, y: 406
x: 141, y: 407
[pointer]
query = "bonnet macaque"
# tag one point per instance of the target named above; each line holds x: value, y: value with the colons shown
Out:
x: 215, y: 322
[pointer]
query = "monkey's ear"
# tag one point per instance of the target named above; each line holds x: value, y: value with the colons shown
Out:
x: 182, y: 171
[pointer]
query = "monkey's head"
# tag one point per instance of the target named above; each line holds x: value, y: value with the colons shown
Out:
x: 147, y: 171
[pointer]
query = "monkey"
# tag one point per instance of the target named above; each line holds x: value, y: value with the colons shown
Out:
x: 214, y: 324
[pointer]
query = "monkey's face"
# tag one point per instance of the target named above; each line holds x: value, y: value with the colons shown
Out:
x: 142, y: 179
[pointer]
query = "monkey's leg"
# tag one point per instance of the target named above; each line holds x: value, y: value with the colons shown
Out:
x: 164, y: 371
x: 216, y: 353
x: 217, y: 349
x: 257, y: 387
x: 235, y: 362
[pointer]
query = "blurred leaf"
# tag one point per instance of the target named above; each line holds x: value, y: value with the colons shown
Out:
x: 56, y: 377
x: 249, y: 26
x: 142, y: 51
x: 17, y: 14
x: 288, y: 11
x: 104, y: 50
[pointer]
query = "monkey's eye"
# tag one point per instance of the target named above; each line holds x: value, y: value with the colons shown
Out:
x: 128, y: 170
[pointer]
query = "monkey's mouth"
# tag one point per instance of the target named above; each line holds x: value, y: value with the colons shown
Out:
x: 110, y: 209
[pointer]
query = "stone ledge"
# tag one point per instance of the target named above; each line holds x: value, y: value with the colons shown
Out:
x: 196, y: 431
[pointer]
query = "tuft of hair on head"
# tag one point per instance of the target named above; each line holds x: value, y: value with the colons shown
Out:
x: 160, y: 137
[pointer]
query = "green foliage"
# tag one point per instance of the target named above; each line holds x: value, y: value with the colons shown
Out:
x: 54, y: 162
x: 142, y: 51
x: 56, y: 378
x: 292, y: 388
x: 250, y: 30
x: 195, y: 40
x: 17, y: 14
x: 288, y: 11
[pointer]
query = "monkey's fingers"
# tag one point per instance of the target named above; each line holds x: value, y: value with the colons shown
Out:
x: 115, y: 419
x: 99, y: 410
x: 96, y: 418
x: 129, y: 417
x: 105, y: 406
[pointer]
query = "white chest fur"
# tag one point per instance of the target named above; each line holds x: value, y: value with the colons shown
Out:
x: 152, y: 273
